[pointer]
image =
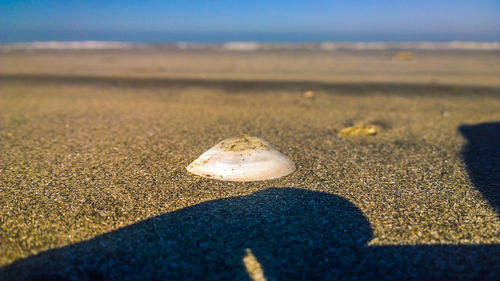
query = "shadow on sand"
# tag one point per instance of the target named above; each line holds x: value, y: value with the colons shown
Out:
x: 257, y: 86
x: 294, y: 234
x: 482, y: 157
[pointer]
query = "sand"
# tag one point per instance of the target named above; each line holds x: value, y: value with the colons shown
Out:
x: 93, y: 182
x: 425, y: 67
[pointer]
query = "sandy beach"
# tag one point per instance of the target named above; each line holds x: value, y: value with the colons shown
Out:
x: 94, y: 147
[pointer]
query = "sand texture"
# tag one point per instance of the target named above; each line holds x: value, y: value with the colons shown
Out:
x: 93, y: 180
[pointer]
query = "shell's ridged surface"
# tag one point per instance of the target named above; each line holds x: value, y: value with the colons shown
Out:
x: 243, y: 158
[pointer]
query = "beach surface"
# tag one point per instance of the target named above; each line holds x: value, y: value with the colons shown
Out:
x: 94, y: 147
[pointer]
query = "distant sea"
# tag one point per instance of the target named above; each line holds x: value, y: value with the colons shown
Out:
x: 8, y: 37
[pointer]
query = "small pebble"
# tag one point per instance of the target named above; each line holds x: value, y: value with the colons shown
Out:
x: 309, y: 94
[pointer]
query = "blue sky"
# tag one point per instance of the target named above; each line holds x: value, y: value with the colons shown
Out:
x: 85, y: 20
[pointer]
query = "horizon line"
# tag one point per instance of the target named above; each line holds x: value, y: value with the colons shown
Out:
x: 251, y: 45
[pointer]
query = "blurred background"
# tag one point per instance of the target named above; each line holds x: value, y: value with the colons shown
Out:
x: 261, y: 21
x: 444, y: 42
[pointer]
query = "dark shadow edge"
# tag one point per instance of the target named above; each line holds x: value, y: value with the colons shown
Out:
x: 241, y: 85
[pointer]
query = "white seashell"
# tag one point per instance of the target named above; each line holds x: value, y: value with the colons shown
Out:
x: 242, y: 158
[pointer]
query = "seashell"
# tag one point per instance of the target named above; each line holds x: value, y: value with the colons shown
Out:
x: 403, y: 56
x: 368, y: 130
x: 242, y: 158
